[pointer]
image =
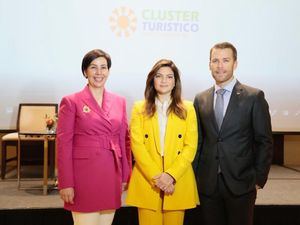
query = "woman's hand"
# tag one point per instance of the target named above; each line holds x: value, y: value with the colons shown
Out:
x: 163, y: 181
x: 67, y: 195
x: 124, y: 186
x: 170, y: 189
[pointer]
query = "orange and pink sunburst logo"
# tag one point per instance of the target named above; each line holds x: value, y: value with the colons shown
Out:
x: 123, y: 21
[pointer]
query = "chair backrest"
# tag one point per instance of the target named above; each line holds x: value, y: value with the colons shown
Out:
x: 32, y: 116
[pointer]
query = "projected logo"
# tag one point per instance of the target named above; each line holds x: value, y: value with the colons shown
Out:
x: 170, y: 21
x: 123, y: 21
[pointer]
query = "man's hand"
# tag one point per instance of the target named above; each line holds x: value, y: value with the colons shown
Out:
x: 257, y: 187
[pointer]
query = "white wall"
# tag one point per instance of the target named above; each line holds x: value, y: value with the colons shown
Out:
x: 42, y: 44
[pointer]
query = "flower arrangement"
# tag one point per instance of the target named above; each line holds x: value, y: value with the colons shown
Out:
x: 50, y: 123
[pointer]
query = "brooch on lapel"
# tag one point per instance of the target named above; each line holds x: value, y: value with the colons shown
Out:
x: 86, y: 109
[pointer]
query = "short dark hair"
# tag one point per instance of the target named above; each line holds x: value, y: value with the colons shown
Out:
x: 91, y: 55
x: 224, y: 45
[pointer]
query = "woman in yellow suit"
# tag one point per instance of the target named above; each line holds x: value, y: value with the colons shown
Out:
x: 164, y: 136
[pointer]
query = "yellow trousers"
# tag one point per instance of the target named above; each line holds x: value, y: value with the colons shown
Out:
x: 159, y: 217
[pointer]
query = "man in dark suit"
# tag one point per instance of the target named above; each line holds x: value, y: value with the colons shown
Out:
x: 235, y: 143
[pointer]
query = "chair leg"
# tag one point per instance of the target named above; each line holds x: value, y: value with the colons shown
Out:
x: 3, y: 161
x: 19, y: 165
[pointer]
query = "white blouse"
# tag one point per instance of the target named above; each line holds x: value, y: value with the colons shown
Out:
x: 162, y: 108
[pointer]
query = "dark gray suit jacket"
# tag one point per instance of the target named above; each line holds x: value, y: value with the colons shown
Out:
x: 243, y: 147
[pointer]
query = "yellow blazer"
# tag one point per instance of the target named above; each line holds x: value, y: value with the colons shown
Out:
x: 180, y: 148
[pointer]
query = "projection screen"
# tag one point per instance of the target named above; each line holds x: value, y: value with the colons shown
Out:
x: 42, y: 44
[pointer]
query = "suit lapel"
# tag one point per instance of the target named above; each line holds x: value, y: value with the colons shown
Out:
x: 107, y: 101
x: 169, y: 132
x: 233, y: 102
x: 154, y: 121
x: 89, y: 100
x: 210, y: 108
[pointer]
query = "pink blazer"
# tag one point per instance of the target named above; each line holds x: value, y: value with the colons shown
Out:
x: 93, y: 149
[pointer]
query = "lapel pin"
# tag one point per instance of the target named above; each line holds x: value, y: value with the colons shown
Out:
x: 86, y: 109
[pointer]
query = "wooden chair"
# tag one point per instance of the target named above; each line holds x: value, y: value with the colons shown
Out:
x: 7, y: 140
x: 31, y: 118
x: 32, y: 127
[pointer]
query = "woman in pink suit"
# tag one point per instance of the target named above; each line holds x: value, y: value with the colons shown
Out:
x: 94, y: 159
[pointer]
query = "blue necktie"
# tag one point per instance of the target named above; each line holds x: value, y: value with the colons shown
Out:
x: 219, y: 107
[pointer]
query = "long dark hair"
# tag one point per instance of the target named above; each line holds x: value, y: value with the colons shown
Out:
x: 150, y: 93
